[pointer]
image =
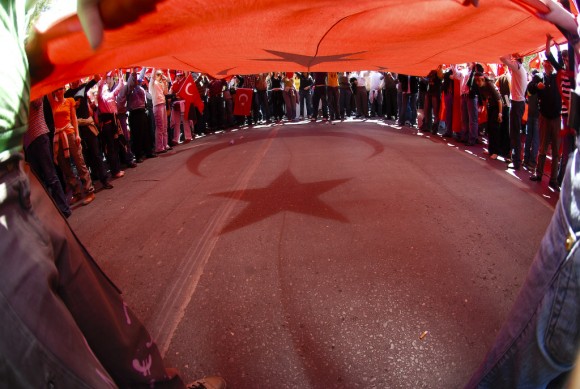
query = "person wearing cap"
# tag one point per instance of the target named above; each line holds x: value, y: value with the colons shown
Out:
x: 519, y: 83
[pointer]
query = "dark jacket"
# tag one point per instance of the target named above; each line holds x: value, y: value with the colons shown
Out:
x: 404, y: 80
x: 549, y: 98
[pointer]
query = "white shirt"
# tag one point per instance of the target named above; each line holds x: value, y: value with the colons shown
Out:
x: 519, y: 78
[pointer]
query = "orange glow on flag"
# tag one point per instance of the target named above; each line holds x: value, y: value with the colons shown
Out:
x: 258, y: 36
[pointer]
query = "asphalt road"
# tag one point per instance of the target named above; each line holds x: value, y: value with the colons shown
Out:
x: 315, y: 256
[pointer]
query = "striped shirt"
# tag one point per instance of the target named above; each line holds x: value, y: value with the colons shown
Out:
x: 36, y: 123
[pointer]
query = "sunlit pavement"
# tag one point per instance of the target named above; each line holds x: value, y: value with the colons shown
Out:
x: 309, y: 255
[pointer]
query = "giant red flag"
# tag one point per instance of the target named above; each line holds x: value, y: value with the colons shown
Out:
x: 401, y: 44
x: 188, y: 91
x: 243, y: 101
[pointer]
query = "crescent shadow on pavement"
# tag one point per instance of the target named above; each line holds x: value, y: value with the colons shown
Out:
x: 194, y: 163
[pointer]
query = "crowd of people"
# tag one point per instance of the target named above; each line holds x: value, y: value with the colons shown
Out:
x: 129, y: 116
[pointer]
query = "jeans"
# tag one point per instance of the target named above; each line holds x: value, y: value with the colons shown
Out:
x: 568, y: 145
x: 263, y: 105
x: 539, y: 340
x: 345, y: 108
x: 448, y: 113
x: 549, y: 136
x: 362, y: 101
x: 532, y: 141
x: 305, y: 101
x: 318, y: 96
x: 391, y: 107
x: 333, y: 102
x: 39, y: 155
x: 469, y: 129
x: 432, y: 112
x: 376, y: 102
x: 408, y: 108
x: 64, y: 324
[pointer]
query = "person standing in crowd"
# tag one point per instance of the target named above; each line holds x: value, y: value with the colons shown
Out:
x: 361, y: 95
x: 532, y: 142
x: 138, y: 120
x: 550, y: 102
x: 290, y: 96
x: 158, y: 87
x: 519, y: 83
x: 178, y: 115
x: 448, y: 88
x: 202, y: 85
x: 432, y: 105
x: 503, y: 84
x: 332, y: 95
x: 106, y: 96
x: 262, y: 97
x: 376, y: 93
x: 64, y: 324
x: 319, y: 96
x: 216, y: 104
x: 390, y: 96
x: 469, y: 100
x: 493, y: 102
x: 89, y: 132
x: 565, y: 79
x: 67, y: 146
x: 537, y: 345
x: 305, y: 94
x: 249, y: 82
x: 277, y: 96
x: 345, y: 95
x: 126, y: 151
x: 409, y: 86
x: 38, y: 153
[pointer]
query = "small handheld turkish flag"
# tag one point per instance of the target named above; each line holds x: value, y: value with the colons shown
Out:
x: 243, y: 101
x: 188, y: 91
x: 535, y: 62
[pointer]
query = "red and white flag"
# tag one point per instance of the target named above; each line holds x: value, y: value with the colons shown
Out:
x: 535, y: 62
x: 243, y: 101
x: 188, y: 92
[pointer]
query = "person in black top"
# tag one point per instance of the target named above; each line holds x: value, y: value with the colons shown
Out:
x: 550, y: 100
x: 490, y: 95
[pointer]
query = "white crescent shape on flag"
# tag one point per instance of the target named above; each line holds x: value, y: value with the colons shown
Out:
x: 240, y: 99
x: 187, y: 90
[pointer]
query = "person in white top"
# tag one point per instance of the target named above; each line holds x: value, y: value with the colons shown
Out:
x: 158, y: 89
x: 376, y: 93
x: 518, y: 104
x: 361, y: 96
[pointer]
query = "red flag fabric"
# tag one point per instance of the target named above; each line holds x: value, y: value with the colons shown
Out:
x: 188, y: 91
x: 243, y: 101
x: 400, y: 44
x: 535, y: 62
